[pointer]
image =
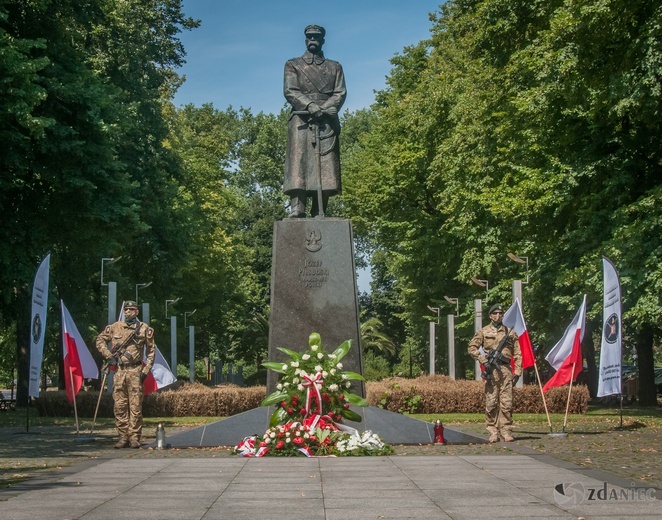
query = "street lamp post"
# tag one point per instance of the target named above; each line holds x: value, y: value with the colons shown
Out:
x: 433, y: 337
x: 483, y: 283
x: 112, y: 290
x: 173, y: 335
x: 112, y: 308
x: 141, y: 286
x: 517, y: 291
x: 478, y: 314
x: 191, y: 346
x: 451, y: 335
x: 145, y: 310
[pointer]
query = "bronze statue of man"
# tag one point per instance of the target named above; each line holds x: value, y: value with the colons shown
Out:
x: 315, y: 87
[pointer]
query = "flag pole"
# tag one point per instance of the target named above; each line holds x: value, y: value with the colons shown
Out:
x: 544, y: 401
x: 567, y: 405
x: 96, y: 410
x: 73, y: 393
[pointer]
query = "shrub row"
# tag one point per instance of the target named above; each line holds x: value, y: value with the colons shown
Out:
x: 441, y: 394
x: 427, y: 394
x: 184, y: 400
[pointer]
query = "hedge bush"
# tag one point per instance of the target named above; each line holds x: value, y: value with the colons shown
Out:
x: 178, y: 400
x: 441, y: 394
x: 426, y: 394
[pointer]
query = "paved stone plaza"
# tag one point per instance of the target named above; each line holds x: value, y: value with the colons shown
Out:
x: 396, y: 487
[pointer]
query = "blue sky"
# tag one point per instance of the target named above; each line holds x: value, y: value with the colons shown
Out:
x: 236, y: 56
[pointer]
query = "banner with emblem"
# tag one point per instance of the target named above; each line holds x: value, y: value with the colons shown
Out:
x: 609, y: 382
x: 38, y: 324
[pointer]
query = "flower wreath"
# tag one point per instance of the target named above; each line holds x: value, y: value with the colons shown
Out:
x: 312, y: 398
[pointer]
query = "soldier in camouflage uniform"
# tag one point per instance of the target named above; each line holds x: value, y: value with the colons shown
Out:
x: 128, y: 339
x: 498, y: 388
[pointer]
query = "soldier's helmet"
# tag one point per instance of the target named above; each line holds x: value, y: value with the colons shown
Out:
x: 130, y: 303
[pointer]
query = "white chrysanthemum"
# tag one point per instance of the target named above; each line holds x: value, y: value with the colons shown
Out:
x: 288, y: 440
x: 332, y: 371
x: 339, y: 366
x: 272, y: 435
x: 286, y: 384
x: 294, y: 364
x: 314, y: 348
x: 297, y: 372
x: 296, y: 380
x: 285, y: 367
x: 305, y: 357
x: 300, y: 388
x: 320, y: 355
x: 348, y: 384
x: 344, y: 377
x: 279, y: 386
x: 325, y: 374
x: 333, y: 387
x: 318, y: 368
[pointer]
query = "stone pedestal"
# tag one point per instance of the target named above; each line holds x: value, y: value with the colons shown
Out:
x: 313, y: 289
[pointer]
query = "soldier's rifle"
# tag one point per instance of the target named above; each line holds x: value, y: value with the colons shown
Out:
x: 495, y: 357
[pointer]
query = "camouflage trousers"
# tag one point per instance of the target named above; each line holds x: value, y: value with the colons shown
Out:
x: 128, y: 397
x: 499, y: 401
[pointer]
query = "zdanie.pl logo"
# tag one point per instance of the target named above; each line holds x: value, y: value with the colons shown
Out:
x: 574, y: 493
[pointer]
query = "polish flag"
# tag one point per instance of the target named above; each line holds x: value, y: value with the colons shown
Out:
x: 159, y: 376
x: 515, y: 320
x: 78, y: 362
x: 566, y: 355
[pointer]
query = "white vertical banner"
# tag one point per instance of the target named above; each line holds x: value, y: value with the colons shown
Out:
x: 38, y: 324
x: 609, y: 382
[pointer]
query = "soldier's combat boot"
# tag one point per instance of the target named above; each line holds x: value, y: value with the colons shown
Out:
x: 507, y: 437
x: 122, y: 443
x: 494, y: 437
x: 134, y: 444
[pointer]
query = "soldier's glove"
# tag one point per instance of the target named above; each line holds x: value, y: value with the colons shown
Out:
x: 515, y: 379
x: 143, y: 376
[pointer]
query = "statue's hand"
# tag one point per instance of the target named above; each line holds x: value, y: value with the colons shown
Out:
x: 331, y: 111
x: 314, y: 110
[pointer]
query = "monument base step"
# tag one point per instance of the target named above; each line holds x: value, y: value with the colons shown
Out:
x: 393, y: 428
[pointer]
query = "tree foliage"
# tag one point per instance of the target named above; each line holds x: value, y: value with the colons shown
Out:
x: 524, y: 127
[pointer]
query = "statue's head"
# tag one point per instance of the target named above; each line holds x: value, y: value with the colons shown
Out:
x: 314, y: 38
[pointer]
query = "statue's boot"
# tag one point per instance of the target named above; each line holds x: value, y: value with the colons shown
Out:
x: 297, y: 207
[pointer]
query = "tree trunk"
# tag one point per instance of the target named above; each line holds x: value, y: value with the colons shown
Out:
x: 645, y: 366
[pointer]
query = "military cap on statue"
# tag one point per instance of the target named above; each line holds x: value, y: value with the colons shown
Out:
x: 130, y: 303
x: 314, y: 29
x: 496, y: 307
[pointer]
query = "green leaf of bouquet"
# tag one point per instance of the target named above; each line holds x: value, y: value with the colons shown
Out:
x: 351, y: 415
x: 353, y: 376
x: 275, y: 366
x: 274, y: 398
x: 356, y: 400
x: 342, y: 350
x: 277, y: 417
x: 291, y: 353
x: 314, y: 339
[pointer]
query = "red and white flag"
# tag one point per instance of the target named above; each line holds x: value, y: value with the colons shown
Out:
x: 515, y: 320
x: 159, y: 376
x: 78, y: 362
x: 566, y: 355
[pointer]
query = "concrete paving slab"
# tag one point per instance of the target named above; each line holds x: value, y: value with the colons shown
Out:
x: 322, y: 488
